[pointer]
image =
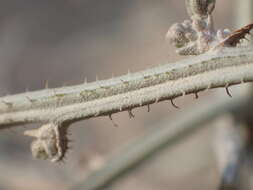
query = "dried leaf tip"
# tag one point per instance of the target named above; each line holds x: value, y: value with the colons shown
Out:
x: 235, y: 37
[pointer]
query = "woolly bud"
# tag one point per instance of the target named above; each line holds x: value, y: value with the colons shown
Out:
x: 51, y: 142
x: 176, y: 35
x: 200, y: 8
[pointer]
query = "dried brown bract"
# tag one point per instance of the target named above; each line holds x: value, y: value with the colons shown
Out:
x: 235, y: 38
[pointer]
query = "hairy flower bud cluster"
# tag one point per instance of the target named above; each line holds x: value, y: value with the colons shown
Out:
x: 196, y: 36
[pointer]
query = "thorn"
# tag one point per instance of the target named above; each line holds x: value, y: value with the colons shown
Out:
x: 130, y: 113
x: 114, y: 124
x: 97, y: 114
x: 209, y: 86
x: 227, y: 90
x: 247, y: 39
x: 7, y: 103
x: 148, y: 107
x: 173, y: 104
x: 124, y: 82
x: 96, y: 78
x: 69, y: 147
x: 196, y: 95
x: 104, y: 87
x: 46, y: 84
x: 29, y: 99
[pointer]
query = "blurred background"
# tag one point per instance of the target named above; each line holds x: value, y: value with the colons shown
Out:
x: 64, y: 42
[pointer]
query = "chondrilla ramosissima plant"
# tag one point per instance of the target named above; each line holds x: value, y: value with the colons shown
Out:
x: 221, y: 64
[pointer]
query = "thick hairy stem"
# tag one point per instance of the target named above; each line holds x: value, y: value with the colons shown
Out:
x: 69, y: 104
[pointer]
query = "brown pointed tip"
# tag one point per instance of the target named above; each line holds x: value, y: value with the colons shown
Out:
x: 196, y: 95
x: 173, y: 104
x: 228, y: 92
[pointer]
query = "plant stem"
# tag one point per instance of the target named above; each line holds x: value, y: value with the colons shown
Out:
x: 165, y: 135
x: 222, y: 68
